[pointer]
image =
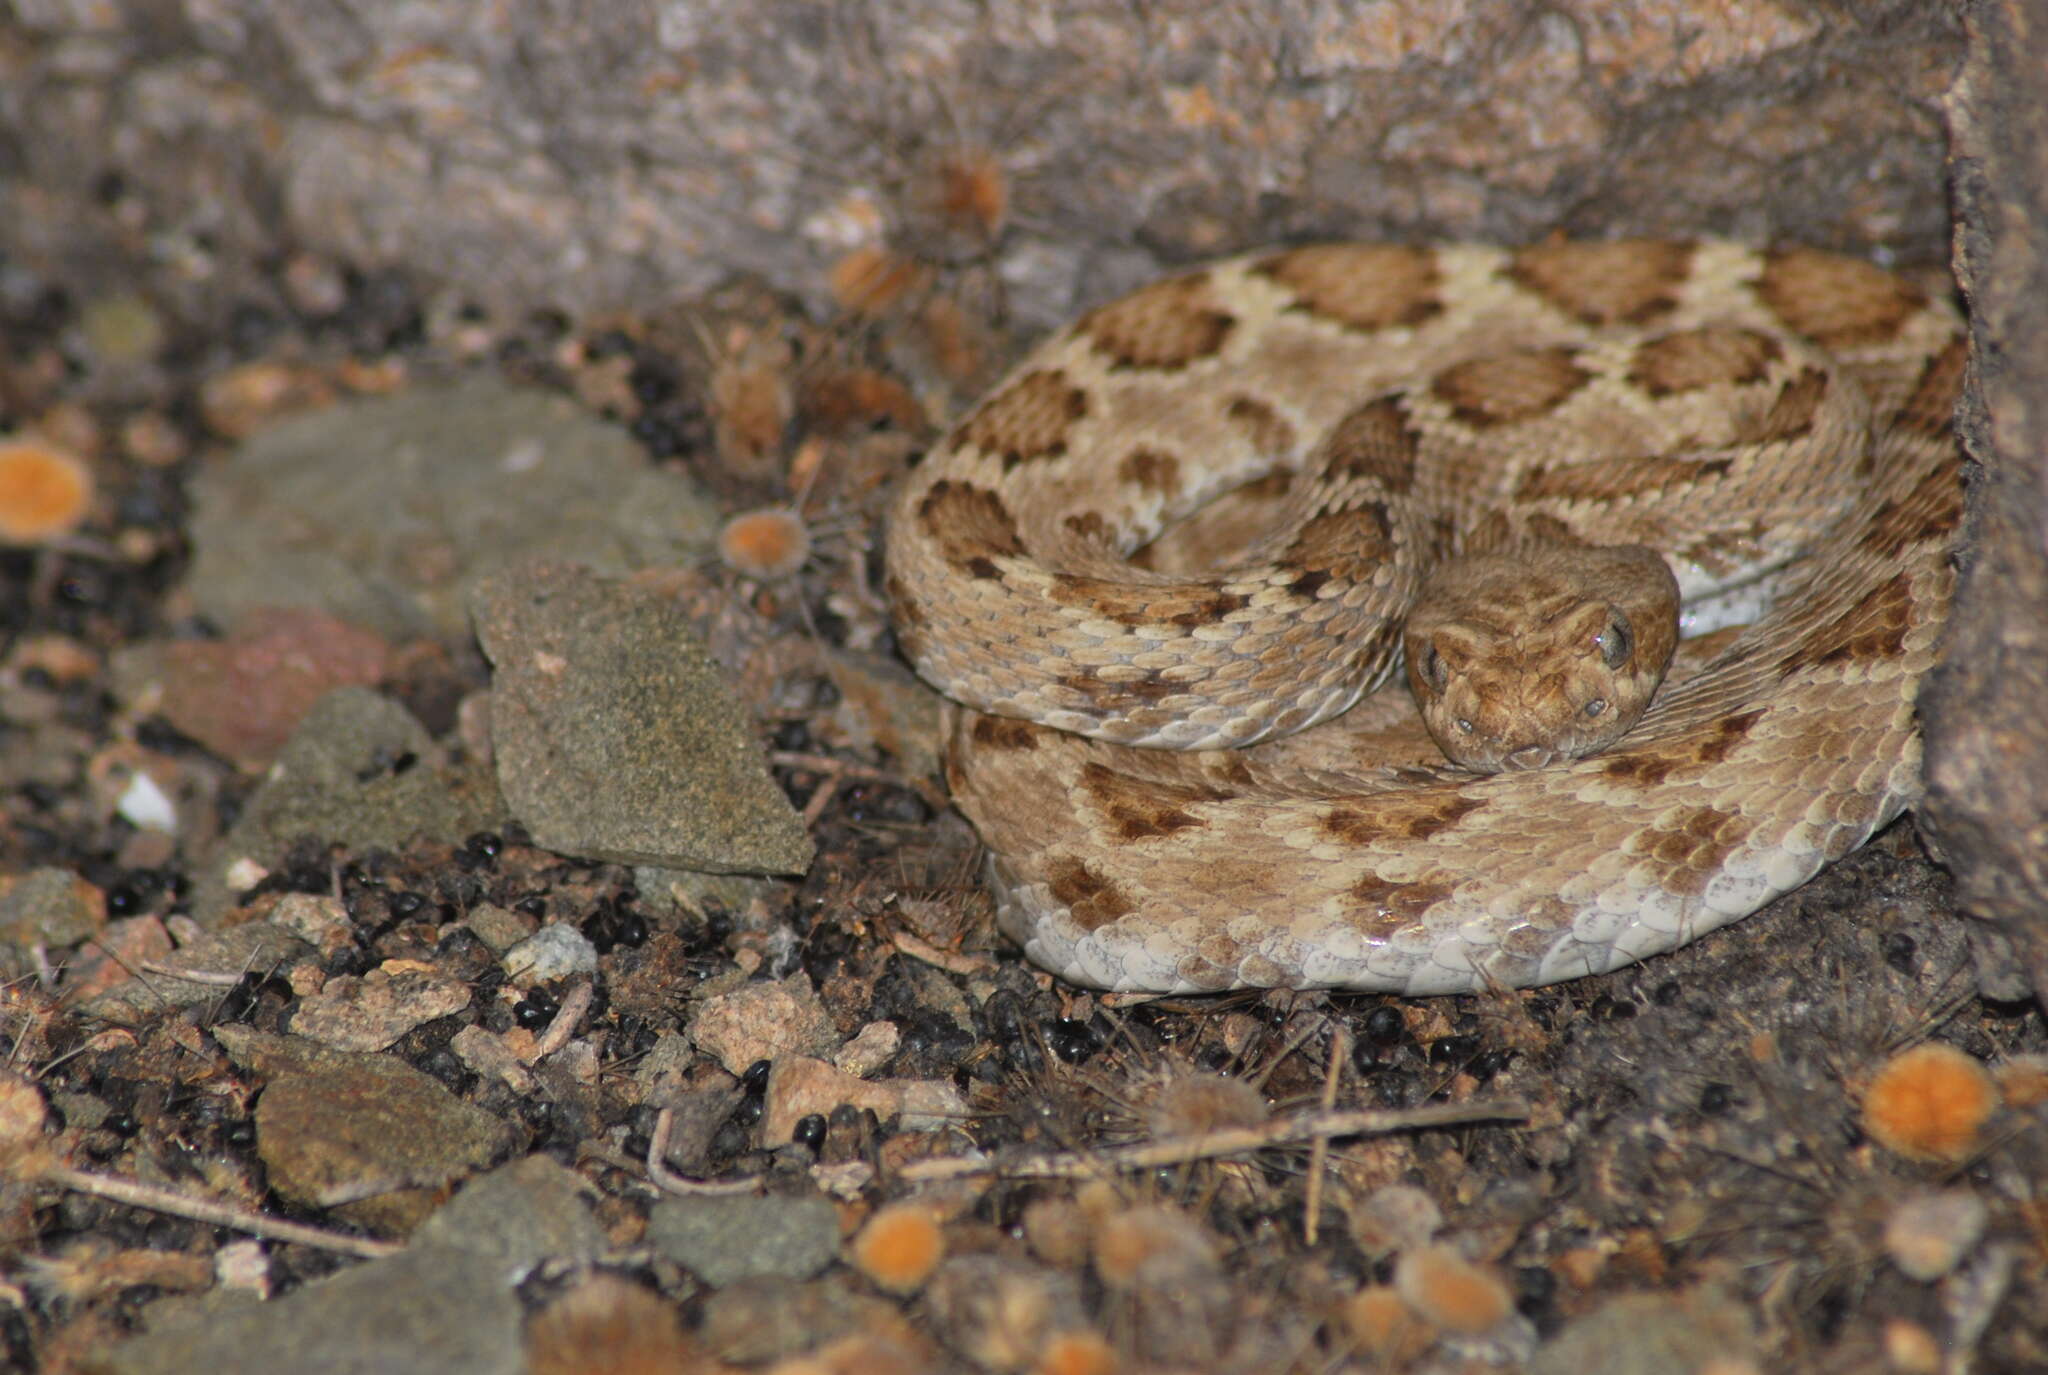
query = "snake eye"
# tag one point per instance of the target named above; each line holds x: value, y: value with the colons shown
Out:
x: 1596, y: 706
x: 1464, y: 725
x: 1615, y: 642
x: 1433, y: 671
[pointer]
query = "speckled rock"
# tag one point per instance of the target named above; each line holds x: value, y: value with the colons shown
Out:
x: 370, y: 1129
x: 763, y: 1021
x: 371, y: 1012
x: 617, y: 738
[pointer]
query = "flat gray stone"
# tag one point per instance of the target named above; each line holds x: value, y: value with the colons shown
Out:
x: 519, y: 1215
x: 723, y: 1239
x: 616, y: 736
x: 430, y: 1310
x: 360, y: 771
x: 387, y: 512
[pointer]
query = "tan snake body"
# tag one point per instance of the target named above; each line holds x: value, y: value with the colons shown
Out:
x: 1160, y: 564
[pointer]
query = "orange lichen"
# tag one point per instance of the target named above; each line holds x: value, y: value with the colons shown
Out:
x: 1450, y: 1291
x: 1929, y: 1103
x: 1382, y: 1326
x: 899, y: 1247
x: 44, y: 492
x: 1076, y: 1353
x: 769, y: 543
x: 869, y: 280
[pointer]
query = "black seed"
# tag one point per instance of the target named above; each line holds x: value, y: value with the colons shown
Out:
x: 1459, y: 1051
x: 809, y: 1131
x: 1073, y: 1040
x: 1385, y: 1026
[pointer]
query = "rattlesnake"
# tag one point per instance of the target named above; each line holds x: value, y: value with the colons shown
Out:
x: 1160, y: 563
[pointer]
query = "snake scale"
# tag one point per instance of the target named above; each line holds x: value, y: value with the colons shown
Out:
x: 1161, y: 571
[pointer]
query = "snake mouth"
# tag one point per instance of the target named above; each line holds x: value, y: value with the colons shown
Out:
x: 1528, y: 757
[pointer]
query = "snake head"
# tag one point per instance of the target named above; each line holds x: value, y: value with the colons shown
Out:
x: 1529, y: 658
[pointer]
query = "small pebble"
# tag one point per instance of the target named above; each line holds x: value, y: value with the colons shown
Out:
x: 1928, y: 1234
x: 553, y: 952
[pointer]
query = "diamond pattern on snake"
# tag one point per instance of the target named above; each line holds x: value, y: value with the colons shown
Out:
x: 1430, y: 619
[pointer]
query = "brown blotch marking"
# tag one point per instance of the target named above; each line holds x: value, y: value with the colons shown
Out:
x: 1695, y: 844
x: 1093, y: 900
x: 1089, y: 526
x: 1836, y: 302
x: 1727, y: 733
x: 1710, y: 356
x: 1164, y: 326
x: 970, y: 525
x: 1505, y: 387
x: 1264, y: 428
x: 1145, y: 809
x: 1347, y: 543
x: 1791, y: 412
x: 1150, y: 470
x: 1135, y: 604
x: 1027, y: 420
x: 1930, y: 408
x: 1395, y: 816
x: 1629, y: 282
x: 1359, y: 286
x: 1606, y: 479
x: 1700, y: 749
x: 1930, y: 511
x: 1111, y: 693
x: 1374, y: 441
x: 1875, y: 628
x: 1002, y: 733
x: 1402, y: 901
x: 1647, y: 767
